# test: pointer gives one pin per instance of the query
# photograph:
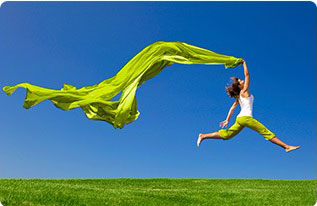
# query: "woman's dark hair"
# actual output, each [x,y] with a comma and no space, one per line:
[233,90]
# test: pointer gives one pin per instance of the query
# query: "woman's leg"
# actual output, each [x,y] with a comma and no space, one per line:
[268,135]
[224,134]
[214,135]
[287,148]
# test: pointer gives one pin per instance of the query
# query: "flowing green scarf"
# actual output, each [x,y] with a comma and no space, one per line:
[95,100]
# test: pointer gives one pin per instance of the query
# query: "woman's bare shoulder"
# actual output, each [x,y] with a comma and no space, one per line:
[245,94]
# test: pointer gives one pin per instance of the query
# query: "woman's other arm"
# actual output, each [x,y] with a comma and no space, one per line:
[233,107]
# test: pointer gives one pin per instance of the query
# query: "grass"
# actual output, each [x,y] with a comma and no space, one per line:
[132,192]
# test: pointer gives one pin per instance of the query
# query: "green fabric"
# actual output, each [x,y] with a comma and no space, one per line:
[95,100]
[246,121]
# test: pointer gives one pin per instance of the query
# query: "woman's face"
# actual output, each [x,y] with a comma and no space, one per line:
[241,83]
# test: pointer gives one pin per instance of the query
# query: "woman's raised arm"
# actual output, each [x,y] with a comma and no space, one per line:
[247,77]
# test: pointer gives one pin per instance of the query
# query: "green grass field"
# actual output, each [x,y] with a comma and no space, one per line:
[225,192]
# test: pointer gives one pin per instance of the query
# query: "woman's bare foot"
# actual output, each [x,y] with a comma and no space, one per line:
[291,148]
[199,140]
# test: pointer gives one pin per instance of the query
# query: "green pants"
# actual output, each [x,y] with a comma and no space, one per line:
[249,122]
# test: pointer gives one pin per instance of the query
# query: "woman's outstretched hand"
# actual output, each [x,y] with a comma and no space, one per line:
[224,124]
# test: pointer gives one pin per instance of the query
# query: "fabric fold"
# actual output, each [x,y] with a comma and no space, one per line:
[95,100]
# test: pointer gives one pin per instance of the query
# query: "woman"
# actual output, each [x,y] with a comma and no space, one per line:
[239,89]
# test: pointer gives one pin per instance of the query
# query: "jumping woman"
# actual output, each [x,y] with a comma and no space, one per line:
[239,89]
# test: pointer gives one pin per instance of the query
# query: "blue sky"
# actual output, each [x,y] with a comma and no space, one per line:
[51,43]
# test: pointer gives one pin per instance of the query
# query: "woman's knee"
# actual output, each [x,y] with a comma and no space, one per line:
[225,135]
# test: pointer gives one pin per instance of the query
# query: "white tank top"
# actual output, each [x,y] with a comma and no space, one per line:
[246,105]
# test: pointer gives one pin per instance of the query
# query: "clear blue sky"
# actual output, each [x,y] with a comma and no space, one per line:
[51,43]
